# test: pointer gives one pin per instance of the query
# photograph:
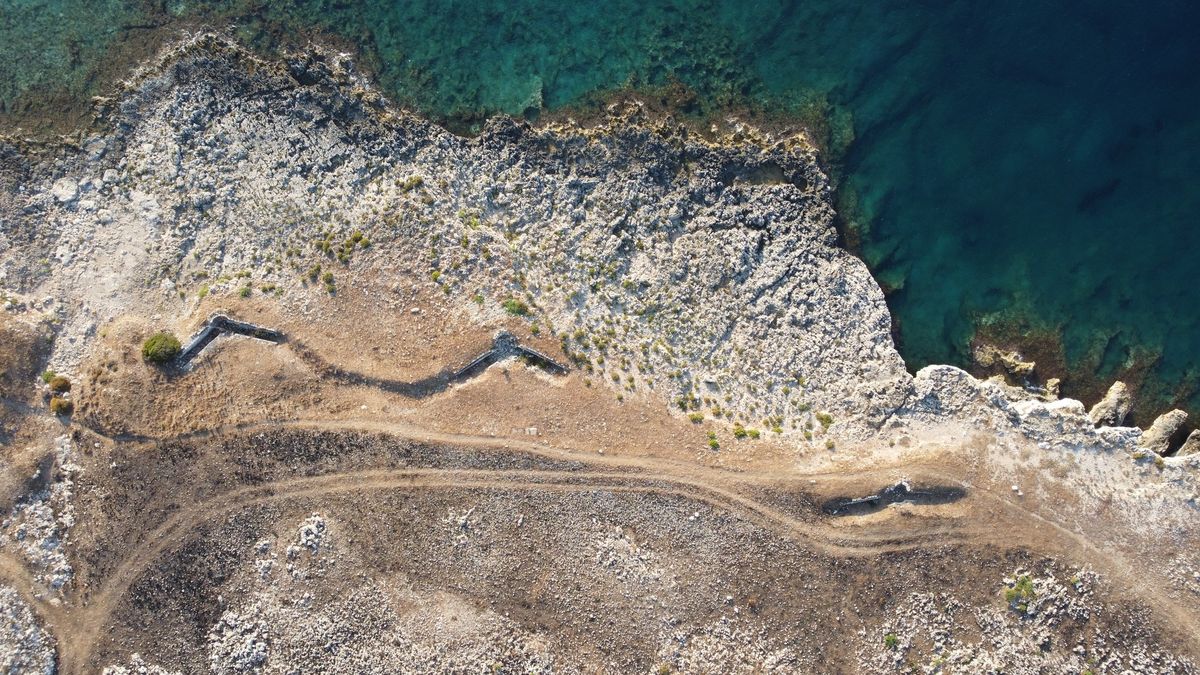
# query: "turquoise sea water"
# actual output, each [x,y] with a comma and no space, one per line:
[1028,166]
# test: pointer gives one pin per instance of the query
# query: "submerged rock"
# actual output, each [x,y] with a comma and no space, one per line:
[1112,410]
[1010,362]
[1158,436]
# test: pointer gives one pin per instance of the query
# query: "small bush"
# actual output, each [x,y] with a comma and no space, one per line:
[890,641]
[739,431]
[160,348]
[516,307]
[244,292]
[59,384]
[1021,593]
[696,417]
[753,434]
[61,406]
[48,375]
[825,419]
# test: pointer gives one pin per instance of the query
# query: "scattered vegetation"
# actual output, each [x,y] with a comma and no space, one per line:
[161,348]
[713,443]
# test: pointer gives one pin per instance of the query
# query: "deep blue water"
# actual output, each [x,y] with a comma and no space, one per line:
[1031,167]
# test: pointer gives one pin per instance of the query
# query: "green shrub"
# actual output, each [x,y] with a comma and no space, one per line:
[696,417]
[890,641]
[516,307]
[160,348]
[1021,593]
[825,419]
[753,434]
[244,292]
[412,183]
[59,384]
[61,406]
[739,431]
[48,375]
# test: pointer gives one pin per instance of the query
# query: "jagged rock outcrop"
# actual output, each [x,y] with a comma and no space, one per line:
[1191,446]
[1158,437]
[989,356]
[1112,410]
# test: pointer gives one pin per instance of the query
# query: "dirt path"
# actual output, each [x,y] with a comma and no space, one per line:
[1006,524]
[90,619]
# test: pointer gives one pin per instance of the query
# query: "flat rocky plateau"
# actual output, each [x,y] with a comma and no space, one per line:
[351,500]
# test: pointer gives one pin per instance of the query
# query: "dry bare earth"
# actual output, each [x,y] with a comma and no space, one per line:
[547,561]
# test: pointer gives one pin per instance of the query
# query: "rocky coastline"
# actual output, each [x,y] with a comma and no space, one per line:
[697,271]
[704,270]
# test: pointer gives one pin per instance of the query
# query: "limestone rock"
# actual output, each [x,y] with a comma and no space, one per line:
[1053,388]
[1010,362]
[1159,434]
[1191,446]
[1113,408]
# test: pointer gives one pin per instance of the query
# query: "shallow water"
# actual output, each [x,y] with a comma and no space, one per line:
[1028,164]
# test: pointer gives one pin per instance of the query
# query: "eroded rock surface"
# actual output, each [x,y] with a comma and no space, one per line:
[1158,437]
[1113,408]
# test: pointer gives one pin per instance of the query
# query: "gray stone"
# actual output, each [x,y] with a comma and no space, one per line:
[1159,434]
[1191,446]
[1112,410]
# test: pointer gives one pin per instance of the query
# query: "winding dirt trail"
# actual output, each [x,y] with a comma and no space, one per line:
[79,623]
[86,621]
